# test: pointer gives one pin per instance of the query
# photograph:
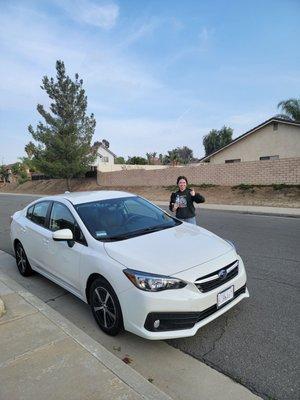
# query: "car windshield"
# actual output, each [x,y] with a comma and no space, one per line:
[123,218]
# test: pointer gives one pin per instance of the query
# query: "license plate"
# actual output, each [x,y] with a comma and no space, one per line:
[225,296]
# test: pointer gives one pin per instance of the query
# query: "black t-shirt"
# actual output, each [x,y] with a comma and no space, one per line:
[186,201]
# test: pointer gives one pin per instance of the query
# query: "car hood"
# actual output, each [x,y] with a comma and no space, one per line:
[169,251]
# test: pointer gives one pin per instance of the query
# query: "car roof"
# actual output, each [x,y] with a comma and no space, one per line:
[87,197]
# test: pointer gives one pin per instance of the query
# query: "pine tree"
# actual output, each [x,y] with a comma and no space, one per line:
[63,147]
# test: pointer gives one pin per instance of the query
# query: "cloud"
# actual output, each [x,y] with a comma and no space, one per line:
[200,45]
[205,38]
[140,30]
[88,12]
[32,48]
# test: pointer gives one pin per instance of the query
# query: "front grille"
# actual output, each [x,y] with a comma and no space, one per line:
[170,321]
[214,280]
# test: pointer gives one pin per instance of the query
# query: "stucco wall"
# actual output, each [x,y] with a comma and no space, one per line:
[284,142]
[254,172]
[121,167]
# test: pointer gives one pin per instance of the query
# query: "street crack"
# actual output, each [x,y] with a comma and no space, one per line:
[218,338]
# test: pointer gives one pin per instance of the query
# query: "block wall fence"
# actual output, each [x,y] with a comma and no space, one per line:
[266,172]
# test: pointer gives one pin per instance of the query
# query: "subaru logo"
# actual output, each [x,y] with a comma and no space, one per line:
[222,274]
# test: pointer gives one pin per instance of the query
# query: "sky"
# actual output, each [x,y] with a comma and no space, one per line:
[157,74]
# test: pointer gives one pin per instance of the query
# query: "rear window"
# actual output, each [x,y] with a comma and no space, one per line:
[40,212]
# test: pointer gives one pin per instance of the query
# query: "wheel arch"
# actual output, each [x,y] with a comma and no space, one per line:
[15,242]
[89,282]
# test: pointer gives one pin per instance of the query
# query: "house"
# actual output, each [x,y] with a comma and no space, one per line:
[104,158]
[273,139]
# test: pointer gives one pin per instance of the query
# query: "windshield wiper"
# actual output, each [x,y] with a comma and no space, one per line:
[139,232]
[115,238]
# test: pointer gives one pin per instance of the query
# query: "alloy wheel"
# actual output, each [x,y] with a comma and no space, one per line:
[104,307]
[22,262]
[21,259]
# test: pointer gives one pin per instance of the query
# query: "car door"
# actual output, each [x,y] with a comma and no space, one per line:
[35,235]
[63,260]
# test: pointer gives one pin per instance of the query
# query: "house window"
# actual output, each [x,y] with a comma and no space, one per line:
[104,159]
[275,126]
[269,158]
[234,160]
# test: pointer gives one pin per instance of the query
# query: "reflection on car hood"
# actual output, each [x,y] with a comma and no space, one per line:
[169,251]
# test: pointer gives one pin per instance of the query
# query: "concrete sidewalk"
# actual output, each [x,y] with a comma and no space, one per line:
[40,345]
[263,210]
[44,356]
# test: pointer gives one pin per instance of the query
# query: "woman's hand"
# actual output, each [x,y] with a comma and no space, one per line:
[175,206]
[192,191]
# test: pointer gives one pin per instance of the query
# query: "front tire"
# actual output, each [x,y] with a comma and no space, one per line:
[106,307]
[22,261]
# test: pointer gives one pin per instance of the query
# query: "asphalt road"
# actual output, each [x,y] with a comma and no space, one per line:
[256,343]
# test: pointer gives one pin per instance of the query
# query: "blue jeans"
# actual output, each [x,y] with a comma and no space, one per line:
[190,220]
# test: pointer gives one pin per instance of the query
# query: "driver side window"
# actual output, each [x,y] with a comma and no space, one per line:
[61,218]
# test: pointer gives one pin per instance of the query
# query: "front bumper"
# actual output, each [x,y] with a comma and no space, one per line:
[183,320]
[140,309]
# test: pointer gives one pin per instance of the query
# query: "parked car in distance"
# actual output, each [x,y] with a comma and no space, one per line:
[139,268]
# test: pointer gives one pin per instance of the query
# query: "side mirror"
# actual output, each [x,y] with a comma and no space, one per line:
[64,235]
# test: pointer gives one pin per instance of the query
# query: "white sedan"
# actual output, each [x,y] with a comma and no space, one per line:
[139,268]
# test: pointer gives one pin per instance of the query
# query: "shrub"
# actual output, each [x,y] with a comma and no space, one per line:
[243,186]
[22,178]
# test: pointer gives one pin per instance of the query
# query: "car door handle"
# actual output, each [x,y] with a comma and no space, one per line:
[23,229]
[46,241]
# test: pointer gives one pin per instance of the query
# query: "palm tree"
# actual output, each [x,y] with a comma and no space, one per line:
[291,108]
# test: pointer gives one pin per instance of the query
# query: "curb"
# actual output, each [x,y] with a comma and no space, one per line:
[2,308]
[124,372]
[252,210]
[26,194]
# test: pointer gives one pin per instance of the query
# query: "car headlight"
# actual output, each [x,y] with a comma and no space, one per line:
[152,282]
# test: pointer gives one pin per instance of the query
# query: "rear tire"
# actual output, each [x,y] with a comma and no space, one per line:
[106,307]
[22,261]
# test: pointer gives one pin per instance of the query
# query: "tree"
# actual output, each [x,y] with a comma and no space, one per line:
[137,160]
[291,109]
[3,173]
[174,157]
[119,160]
[17,168]
[29,149]
[64,141]
[151,157]
[185,154]
[105,143]
[217,139]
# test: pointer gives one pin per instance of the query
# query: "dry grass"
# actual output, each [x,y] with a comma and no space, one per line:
[275,196]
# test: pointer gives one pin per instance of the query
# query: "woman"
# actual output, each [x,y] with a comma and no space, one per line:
[182,201]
